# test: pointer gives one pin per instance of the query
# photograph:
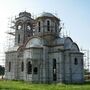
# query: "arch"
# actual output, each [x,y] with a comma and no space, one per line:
[67,43]
[68,38]
[27,43]
[34,42]
[19,24]
[28,25]
[74,47]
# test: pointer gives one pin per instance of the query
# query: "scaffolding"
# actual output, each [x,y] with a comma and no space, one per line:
[86,64]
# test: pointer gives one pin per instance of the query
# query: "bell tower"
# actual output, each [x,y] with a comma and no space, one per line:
[24,28]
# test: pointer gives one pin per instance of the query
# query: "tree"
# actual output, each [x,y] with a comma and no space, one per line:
[86,71]
[2,70]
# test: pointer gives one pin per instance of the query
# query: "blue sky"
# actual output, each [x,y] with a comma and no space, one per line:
[75,14]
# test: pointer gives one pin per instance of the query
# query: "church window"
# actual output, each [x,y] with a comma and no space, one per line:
[54,63]
[81,61]
[18,38]
[9,66]
[56,27]
[39,26]
[75,61]
[48,25]
[54,70]
[29,67]
[35,70]
[28,27]
[22,66]
[19,27]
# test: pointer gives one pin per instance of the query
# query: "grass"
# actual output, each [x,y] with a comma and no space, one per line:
[21,85]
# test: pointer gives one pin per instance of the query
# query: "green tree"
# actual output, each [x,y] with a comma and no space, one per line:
[2,70]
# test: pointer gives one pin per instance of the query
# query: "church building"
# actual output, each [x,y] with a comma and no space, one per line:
[40,54]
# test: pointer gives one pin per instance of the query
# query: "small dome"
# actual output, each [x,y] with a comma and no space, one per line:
[21,14]
[46,14]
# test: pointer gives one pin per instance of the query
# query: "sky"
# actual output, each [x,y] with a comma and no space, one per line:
[75,14]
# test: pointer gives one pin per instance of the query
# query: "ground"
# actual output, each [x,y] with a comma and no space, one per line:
[21,85]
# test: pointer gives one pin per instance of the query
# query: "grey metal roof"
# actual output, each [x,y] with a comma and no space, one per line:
[47,14]
[13,48]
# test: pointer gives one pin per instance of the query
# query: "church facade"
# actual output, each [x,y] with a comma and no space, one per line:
[40,54]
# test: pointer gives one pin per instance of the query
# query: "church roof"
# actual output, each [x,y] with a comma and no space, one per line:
[12,49]
[35,42]
[67,42]
[47,14]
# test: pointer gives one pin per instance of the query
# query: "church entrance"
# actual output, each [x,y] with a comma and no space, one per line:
[54,70]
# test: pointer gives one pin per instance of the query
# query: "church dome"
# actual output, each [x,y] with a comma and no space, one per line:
[21,14]
[46,14]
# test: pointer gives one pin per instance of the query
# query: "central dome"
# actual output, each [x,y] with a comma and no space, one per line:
[46,14]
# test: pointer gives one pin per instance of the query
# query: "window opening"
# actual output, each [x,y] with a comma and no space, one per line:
[75,61]
[22,66]
[48,25]
[39,26]
[29,67]
[18,38]
[54,70]
[35,70]
[9,66]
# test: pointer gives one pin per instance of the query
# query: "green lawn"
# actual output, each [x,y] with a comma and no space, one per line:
[21,85]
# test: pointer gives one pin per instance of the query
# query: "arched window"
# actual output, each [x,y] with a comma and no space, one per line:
[48,25]
[39,26]
[28,27]
[18,38]
[54,70]
[29,67]
[81,61]
[35,70]
[54,63]
[9,66]
[55,27]
[22,66]
[75,61]
[19,27]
